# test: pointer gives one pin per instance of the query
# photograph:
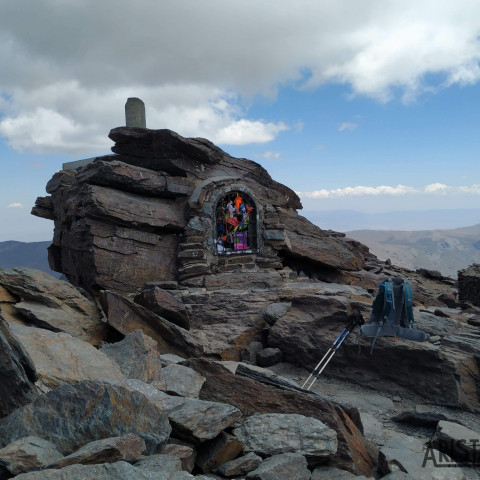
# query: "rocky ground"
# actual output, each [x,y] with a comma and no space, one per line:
[162,358]
[115,390]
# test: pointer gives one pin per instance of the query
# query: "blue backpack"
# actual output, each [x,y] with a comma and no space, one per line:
[392,313]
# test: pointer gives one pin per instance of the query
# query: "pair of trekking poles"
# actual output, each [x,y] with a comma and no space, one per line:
[356,319]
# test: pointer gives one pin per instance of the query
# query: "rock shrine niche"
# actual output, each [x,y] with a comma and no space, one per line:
[235,225]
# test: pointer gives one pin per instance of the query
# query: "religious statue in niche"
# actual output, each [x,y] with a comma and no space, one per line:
[234,224]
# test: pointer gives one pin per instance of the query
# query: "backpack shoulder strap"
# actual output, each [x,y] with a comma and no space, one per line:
[389,300]
[408,303]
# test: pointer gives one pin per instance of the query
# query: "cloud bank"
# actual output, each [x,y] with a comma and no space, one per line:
[399,190]
[73,64]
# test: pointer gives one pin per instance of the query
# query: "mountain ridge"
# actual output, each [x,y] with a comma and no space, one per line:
[14,253]
[445,250]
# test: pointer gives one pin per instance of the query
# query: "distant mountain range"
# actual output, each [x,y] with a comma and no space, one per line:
[348,220]
[25,254]
[444,250]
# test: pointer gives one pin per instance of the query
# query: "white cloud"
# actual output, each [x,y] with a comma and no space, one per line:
[247,131]
[72,65]
[15,205]
[271,155]
[347,126]
[360,191]
[88,115]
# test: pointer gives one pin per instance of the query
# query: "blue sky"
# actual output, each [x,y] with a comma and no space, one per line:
[357,105]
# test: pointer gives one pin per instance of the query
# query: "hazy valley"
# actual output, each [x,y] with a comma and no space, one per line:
[444,250]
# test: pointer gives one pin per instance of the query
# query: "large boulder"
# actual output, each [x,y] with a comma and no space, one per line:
[54,304]
[62,359]
[137,356]
[72,415]
[17,372]
[274,433]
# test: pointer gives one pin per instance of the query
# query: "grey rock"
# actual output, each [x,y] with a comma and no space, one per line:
[180,380]
[135,113]
[332,473]
[72,415]
[369,402]
[17,372]
[406,453]
[108,450]
[398,476]
[286,466]
[127,316]
[420,418]
[165,304]
[62,359]
[181,476]
[107,471]
[249,353]
[191,419]
[275,311]
[185,453]
[166,465]
[54,304]
[372,428]
[240,466]
[269,356]
[137,356]
[267,376]
[459,442]
[213,453]
[27,454]
[272,434]
[168,358]
[274,235]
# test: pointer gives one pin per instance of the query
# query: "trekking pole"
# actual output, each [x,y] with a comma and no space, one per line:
[355,319]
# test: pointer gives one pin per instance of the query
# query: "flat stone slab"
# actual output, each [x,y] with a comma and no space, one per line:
[62,359]
[459,442]
[161,464]
[240,466]
[271,434]
[191,419]
[406,453]
[108,450]
[281,466]
[27,454]
[180,380]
